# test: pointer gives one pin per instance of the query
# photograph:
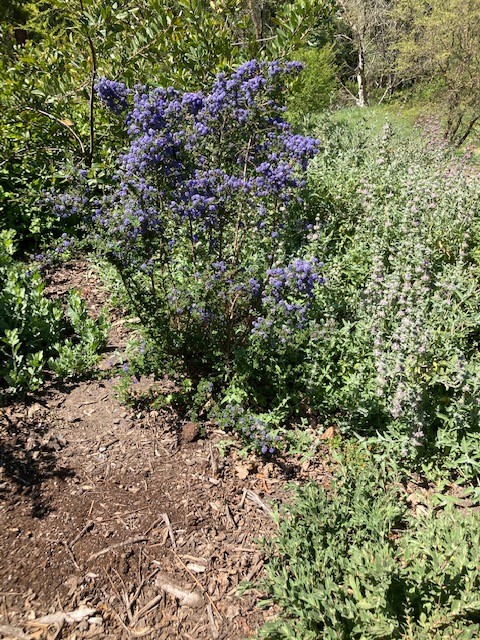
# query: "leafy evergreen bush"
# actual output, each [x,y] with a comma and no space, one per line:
[316,86]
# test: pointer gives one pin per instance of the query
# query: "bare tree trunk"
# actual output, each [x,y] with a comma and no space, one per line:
[467,131]
[453,128]
[362,88]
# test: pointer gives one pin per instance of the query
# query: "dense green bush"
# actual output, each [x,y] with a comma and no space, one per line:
[35,334]
[315,89]
[350,563]
[53,54]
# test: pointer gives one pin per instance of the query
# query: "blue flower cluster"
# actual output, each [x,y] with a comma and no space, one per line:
[73,201]
[299,276]
[113,94]
[252,428]
[288,294]
[194,158]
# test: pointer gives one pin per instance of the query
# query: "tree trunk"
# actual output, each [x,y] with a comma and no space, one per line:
[362,87]
[453,128]
[467,131]
[257,16]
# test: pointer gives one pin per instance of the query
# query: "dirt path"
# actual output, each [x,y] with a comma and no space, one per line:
[120,525]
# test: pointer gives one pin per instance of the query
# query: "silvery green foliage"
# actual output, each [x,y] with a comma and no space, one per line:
[348,563]
[398,229]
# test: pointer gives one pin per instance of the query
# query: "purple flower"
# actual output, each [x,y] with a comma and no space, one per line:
[113,94]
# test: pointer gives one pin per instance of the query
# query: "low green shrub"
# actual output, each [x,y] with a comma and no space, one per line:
[317,84]
[350,563]
[35,333]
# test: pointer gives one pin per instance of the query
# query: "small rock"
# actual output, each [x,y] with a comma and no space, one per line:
[190,432]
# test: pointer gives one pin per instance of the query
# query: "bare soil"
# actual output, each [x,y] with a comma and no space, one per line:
[124,524]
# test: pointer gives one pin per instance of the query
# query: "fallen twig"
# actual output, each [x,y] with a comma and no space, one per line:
[166,519]
[85,529]
[61,617]
[71,554]
[194,578]
[211,619]
[133,617]
[213,462]
[153,525]
[254,570]
[117,545]
[147,608]
[185,598]
[229,516]
[242,501]
[87,402]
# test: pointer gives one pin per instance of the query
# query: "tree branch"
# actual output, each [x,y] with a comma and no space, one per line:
[59,121]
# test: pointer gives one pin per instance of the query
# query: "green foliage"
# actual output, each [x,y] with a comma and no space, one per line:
[316,86]
[78,354]
[284,27]
[29,323]
[440,41]
[31,326]
[48,111]
[350,563]
[49,114]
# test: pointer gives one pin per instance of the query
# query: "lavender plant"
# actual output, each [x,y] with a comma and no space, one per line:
[399,234]
[205,225]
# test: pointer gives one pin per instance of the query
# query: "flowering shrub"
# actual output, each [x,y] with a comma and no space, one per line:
[201,218]
[256,430]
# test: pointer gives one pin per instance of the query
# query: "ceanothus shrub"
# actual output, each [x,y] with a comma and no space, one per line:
[200,219]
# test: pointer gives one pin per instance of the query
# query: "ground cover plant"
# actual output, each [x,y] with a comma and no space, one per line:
[37,336]
[353,562]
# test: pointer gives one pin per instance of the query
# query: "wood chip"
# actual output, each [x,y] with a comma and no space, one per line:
[184,597]
[7,631]
[61,617]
